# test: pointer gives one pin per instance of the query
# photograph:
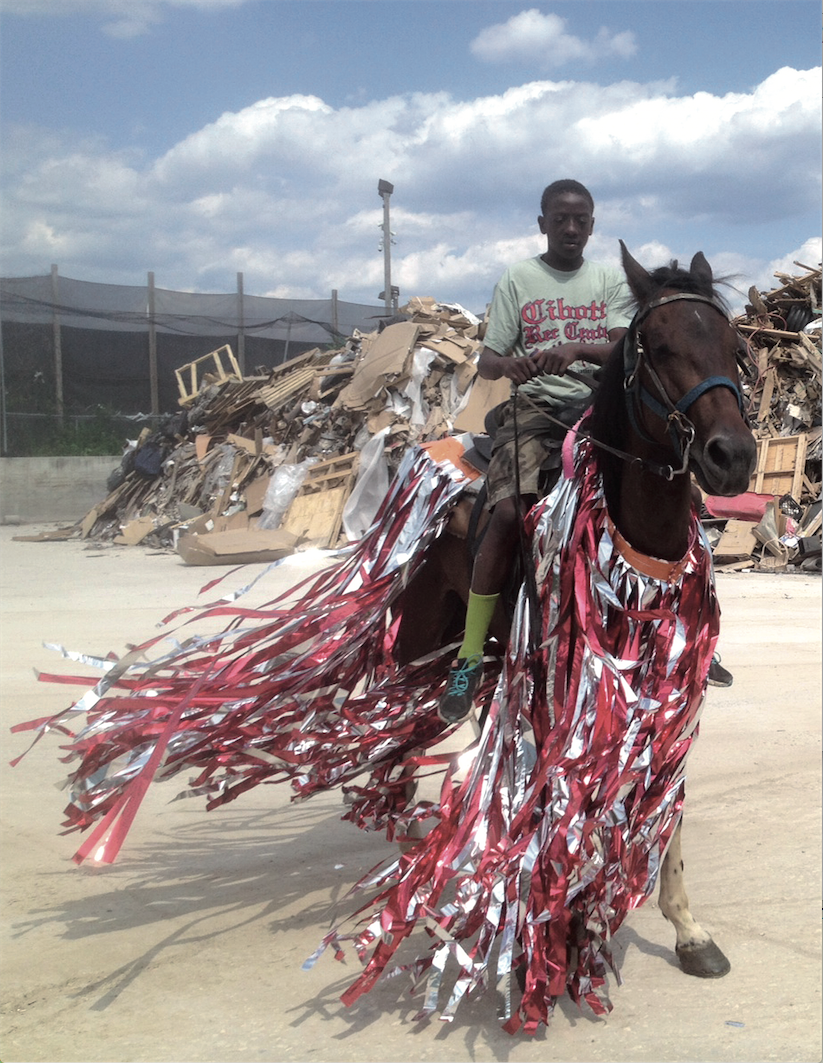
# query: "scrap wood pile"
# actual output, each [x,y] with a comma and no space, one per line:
[254,467]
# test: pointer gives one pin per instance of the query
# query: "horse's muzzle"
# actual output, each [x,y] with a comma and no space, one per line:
[724,463]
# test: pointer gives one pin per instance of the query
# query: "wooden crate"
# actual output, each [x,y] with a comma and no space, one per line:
[781,463]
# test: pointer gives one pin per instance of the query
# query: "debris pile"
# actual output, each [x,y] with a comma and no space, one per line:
[280,452]
[779,524]
[782,328]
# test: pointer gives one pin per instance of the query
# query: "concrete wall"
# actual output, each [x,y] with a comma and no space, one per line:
[52,489]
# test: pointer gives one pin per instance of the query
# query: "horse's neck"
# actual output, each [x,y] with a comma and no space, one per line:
[653,514]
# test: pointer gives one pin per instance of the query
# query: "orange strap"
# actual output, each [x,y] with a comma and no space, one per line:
[656,567]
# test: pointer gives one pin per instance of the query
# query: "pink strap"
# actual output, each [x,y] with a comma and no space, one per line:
[568,449]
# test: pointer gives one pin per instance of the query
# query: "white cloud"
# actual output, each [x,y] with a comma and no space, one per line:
[533,37]
[285,190]
[808,256]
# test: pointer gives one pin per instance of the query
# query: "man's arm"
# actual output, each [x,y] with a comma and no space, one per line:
[554,360]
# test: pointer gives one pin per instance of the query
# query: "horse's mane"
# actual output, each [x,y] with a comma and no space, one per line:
[608,419]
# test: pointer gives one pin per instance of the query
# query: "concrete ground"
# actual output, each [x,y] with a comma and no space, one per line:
[189,948]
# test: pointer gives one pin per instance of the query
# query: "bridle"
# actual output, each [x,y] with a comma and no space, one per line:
[636,357]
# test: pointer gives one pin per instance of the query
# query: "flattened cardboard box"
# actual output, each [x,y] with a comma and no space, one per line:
[385,361]
[485,395]
[237,547]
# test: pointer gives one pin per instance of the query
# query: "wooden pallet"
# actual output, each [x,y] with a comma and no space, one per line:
[280,390]
[316,514]
[781,462]
[206,370]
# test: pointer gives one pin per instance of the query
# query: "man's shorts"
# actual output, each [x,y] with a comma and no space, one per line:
[539,443]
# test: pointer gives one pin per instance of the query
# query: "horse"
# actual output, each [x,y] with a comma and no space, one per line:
[331,690]
[668,405]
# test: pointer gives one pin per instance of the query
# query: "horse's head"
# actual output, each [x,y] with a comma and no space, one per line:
[681,377]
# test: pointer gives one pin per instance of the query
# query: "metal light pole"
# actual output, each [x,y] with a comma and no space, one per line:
[384,190]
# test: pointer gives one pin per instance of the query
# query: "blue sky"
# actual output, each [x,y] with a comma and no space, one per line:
[198,138]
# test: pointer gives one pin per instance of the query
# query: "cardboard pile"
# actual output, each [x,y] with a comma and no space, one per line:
[252,468]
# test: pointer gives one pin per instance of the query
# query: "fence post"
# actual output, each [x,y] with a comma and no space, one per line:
[334,323]
[155,395]
[241,327]
[58,349]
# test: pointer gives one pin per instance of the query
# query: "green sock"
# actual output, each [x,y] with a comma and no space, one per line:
[479,614]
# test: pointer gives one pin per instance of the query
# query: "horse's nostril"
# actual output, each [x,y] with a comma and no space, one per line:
[718,451]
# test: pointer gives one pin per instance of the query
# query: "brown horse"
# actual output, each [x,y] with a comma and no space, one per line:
[668,405]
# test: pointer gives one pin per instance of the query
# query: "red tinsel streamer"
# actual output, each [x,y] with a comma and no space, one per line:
[306,691]
[559,828]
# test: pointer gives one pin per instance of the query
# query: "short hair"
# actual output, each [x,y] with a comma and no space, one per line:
[557,188]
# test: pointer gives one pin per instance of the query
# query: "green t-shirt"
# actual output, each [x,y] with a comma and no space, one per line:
[535,307]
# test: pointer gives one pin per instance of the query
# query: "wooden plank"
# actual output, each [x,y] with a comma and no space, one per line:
[335,370]
[776,332]
[735,566]
[769,382]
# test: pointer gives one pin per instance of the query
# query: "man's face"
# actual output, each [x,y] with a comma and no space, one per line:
[567,224]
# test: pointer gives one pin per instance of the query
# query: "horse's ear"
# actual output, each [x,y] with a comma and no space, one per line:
[701,270]
[639,279]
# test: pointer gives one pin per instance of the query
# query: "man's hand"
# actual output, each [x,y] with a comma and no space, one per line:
[554,360]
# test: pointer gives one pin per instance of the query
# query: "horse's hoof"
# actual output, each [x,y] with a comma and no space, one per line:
[703,961]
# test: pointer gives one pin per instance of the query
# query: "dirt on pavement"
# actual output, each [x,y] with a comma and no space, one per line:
[190,947]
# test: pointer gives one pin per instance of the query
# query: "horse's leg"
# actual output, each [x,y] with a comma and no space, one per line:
[432,613]
[429,787]
[697,952]
[431,607]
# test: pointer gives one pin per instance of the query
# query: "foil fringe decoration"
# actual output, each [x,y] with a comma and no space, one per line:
[577,786]
[558,828]
[306,691]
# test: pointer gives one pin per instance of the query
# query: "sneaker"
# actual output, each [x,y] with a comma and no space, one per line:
[718,675]
[464,677]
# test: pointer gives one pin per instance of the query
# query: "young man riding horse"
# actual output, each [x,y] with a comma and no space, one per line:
[547,313]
